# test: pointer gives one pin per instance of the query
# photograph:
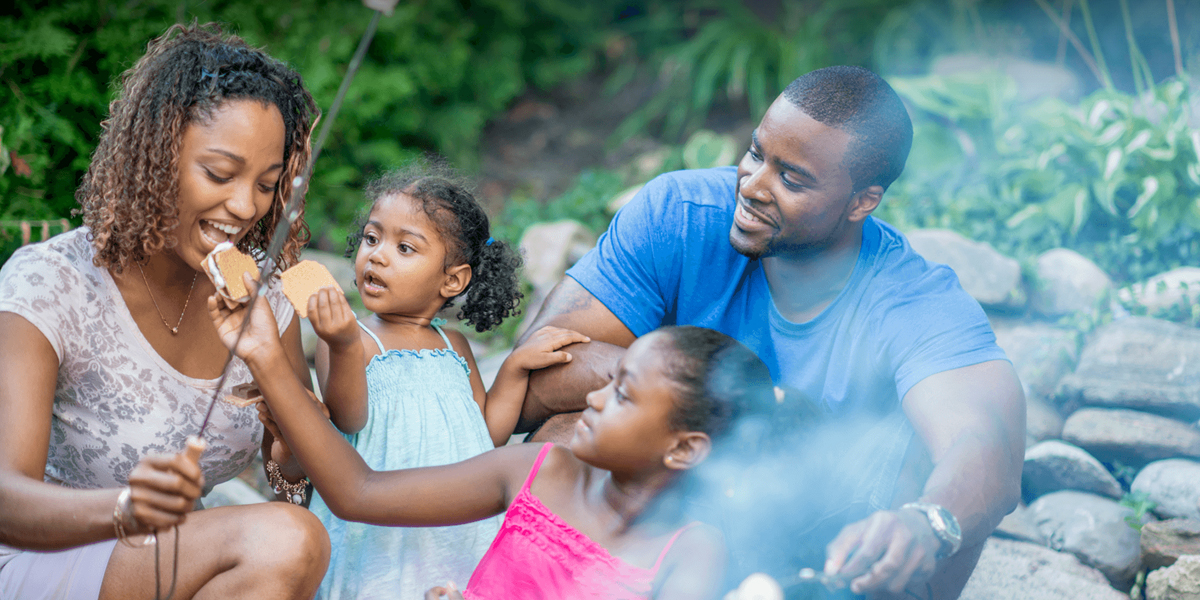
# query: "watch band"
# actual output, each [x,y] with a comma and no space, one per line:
[944,526]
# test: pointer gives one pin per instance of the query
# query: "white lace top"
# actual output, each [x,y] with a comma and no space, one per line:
[117,400]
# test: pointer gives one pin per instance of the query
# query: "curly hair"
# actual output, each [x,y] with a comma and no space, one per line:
[494,291]
[129,195]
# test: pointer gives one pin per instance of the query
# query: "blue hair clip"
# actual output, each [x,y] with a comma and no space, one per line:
[206,74]
[489,241]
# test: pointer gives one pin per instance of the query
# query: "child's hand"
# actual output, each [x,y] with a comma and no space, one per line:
[261,337]
[541,350]
[447,591]
[332,318]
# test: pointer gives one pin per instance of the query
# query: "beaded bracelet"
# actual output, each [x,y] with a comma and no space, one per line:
[294,492]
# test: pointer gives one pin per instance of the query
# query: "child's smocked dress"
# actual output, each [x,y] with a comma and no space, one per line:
[420,412]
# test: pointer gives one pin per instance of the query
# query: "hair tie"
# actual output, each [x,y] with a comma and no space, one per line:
[489,241]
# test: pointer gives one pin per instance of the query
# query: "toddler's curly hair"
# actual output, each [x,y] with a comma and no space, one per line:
[128,197]
[494,292]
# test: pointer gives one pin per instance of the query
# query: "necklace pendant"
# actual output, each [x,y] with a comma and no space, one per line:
[175,330]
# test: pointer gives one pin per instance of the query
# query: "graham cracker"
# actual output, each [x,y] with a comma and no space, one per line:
[303,280]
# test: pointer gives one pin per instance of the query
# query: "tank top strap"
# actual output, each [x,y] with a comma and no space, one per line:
[537,464]
[671,542]
[436,324]
[382,350]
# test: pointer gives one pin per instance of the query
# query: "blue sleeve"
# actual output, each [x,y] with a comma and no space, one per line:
[935,326]
[634,269]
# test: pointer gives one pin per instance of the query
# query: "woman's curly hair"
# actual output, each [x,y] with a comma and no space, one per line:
[494,291]
[129,195]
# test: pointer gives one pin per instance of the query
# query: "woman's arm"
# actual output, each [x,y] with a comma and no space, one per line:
[273,449]
[504,400]
[42,516]
[341,360]
[447,495]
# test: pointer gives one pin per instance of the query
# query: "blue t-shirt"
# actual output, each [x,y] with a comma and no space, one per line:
[666,260]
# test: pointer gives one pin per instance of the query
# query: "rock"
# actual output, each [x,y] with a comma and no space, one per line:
[551,248]
[1130,437]
[985,274]
[1163,542]
[1140,363]
[1180,581]
[1042,421]
[1165,290]
[1053,465]
[234,492]
[1173,485]
[1018,525]
[622,198]
[1092,528]
[1042,354]
[1067,282]
[1012,570]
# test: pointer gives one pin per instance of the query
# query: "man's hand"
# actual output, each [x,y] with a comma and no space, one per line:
[890,550]
[332,318]
[542,349]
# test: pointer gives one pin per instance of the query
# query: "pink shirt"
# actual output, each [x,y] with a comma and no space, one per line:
[537,555]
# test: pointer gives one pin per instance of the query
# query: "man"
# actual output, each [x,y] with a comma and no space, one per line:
[783,255]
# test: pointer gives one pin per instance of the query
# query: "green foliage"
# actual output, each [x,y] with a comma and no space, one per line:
[585,202]
[1140,504]
[1115,178]
[436,72]
[734,54]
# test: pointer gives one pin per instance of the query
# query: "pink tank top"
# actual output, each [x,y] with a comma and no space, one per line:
[538,556]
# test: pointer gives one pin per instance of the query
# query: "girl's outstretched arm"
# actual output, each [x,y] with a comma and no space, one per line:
[694,568]
[504,400]
[447,495]
[341,360]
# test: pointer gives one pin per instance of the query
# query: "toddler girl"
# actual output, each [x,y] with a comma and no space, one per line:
[600,519]
[407,392]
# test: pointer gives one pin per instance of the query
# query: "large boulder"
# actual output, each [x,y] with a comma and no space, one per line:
[1042,421]
[1173,486]
[1092,528]
[549,250]
[1165,291]
[1130,437]
[1140,363]
[985,274]
[1018,525]
[1180,581]
[1053,465]
[1042,354]
[1013,570]
[1163,542]
[1066,283]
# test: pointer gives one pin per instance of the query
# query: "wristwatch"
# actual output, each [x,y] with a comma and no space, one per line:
[944,526]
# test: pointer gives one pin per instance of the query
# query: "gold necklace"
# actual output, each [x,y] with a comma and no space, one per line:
[174,330]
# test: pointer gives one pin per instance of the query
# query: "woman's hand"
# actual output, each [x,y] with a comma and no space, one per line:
[541,350]
[164,488]
[261,337]
[332,318]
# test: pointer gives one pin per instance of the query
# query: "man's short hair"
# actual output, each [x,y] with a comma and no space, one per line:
[861,103]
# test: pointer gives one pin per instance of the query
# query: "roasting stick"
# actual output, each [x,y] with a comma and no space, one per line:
[291,212]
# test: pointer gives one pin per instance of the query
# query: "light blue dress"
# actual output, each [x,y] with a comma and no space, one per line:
[420,412]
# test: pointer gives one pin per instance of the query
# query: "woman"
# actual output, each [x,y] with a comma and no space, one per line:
[108,360]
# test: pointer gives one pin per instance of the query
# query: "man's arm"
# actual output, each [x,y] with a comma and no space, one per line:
[972,421]
[562,388]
